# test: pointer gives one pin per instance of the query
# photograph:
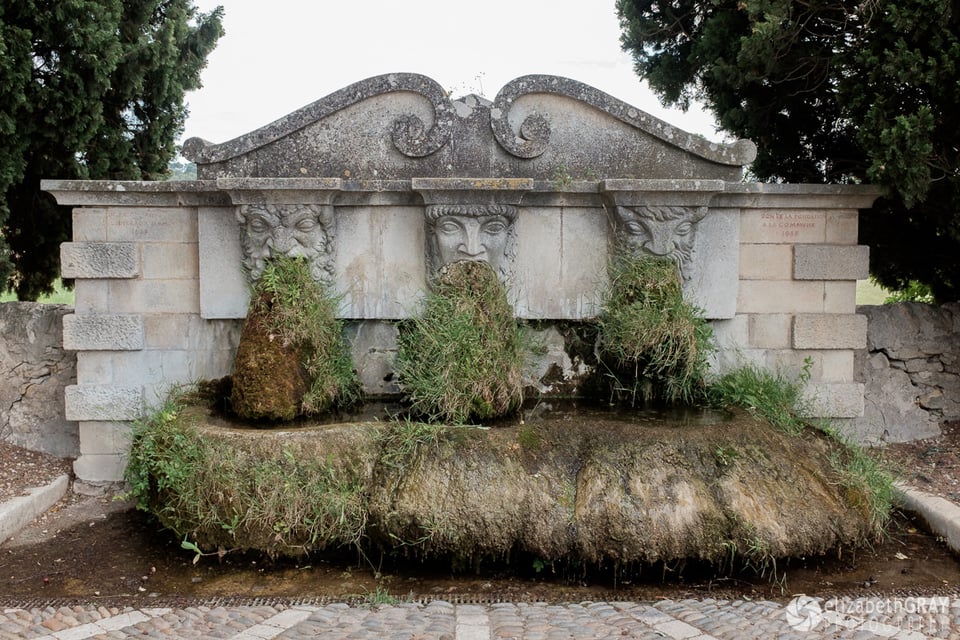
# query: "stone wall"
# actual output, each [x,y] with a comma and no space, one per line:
[911,369]
[34,370]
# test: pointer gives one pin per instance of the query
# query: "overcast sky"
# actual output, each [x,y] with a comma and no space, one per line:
[280,55]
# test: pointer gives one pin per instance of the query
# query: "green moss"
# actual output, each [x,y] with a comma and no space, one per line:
[461,359]
[292,358]
[654,345]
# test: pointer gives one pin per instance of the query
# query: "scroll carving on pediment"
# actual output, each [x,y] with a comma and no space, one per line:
[296,230]
[409,133]
[483,233]
[661,231]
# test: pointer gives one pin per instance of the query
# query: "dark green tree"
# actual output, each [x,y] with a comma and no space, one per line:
[833,92]
[88,89]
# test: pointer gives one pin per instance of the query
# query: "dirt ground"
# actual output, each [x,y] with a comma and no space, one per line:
[100,548]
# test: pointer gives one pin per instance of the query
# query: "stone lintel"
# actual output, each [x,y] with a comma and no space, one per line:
[281,190]
[472,191]
[103,332]
[680,192]
[171,193]
[94,402]
[99,260]
[762,195]
[829,331]
[831,262]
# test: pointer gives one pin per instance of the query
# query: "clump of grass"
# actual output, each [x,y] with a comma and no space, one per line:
[771,395]
[284,501]
[654,344]
[461,359]
[301,313]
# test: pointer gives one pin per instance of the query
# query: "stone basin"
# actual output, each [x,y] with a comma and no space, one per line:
[576,485]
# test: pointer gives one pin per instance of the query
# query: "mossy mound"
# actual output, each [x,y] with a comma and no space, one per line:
[461,359]
[589,491]
[292,359]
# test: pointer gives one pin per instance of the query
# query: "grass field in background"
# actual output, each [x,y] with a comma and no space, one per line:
[60,296]
[868,292]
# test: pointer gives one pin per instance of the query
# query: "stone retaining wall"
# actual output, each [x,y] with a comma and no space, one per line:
[34,370]
[911,372]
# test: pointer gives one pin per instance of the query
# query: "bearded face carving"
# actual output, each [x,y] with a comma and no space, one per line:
[659,231]
[296,230]
[478,233]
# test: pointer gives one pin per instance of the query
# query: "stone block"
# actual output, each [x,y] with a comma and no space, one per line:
[99,260]
[842,227]
[840,297]
[91,296]
[169,260]
[770,330]
[152,224]
[834,400]
[713,276]
[561,262]
[831,262]
[95,367]
[783,226]
[103,332]
[764,296]
[104,437]
[766,261]
[829,331]
[154,296]
[224,289]
[98,468]
[103,402]
[380,263]
[838,366]
[89,224]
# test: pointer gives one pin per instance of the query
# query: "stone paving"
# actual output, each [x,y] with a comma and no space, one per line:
[899,618]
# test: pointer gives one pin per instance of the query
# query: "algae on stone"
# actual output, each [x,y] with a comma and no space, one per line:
[292,358]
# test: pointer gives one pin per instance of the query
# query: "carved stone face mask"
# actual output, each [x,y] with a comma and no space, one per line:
[475,233]
[659,231]
[299,230]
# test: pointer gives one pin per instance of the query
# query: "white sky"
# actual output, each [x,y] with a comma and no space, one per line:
[280,55]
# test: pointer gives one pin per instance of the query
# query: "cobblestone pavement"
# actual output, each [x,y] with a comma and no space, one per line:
[900,618]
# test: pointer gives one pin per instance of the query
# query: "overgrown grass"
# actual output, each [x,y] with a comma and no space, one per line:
[285,501]
[303,312]
[654,343]
[461,359]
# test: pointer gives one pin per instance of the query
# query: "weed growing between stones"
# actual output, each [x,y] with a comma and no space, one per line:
[461,359]
[654,344]
[292,358]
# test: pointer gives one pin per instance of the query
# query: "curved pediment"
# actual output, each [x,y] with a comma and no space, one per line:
[404,125]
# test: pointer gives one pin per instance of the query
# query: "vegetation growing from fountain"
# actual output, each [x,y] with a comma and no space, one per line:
[653,343]
[461,358]
[292,359]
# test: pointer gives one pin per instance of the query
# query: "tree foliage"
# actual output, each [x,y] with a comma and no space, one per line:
[834,92]
[88,89]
